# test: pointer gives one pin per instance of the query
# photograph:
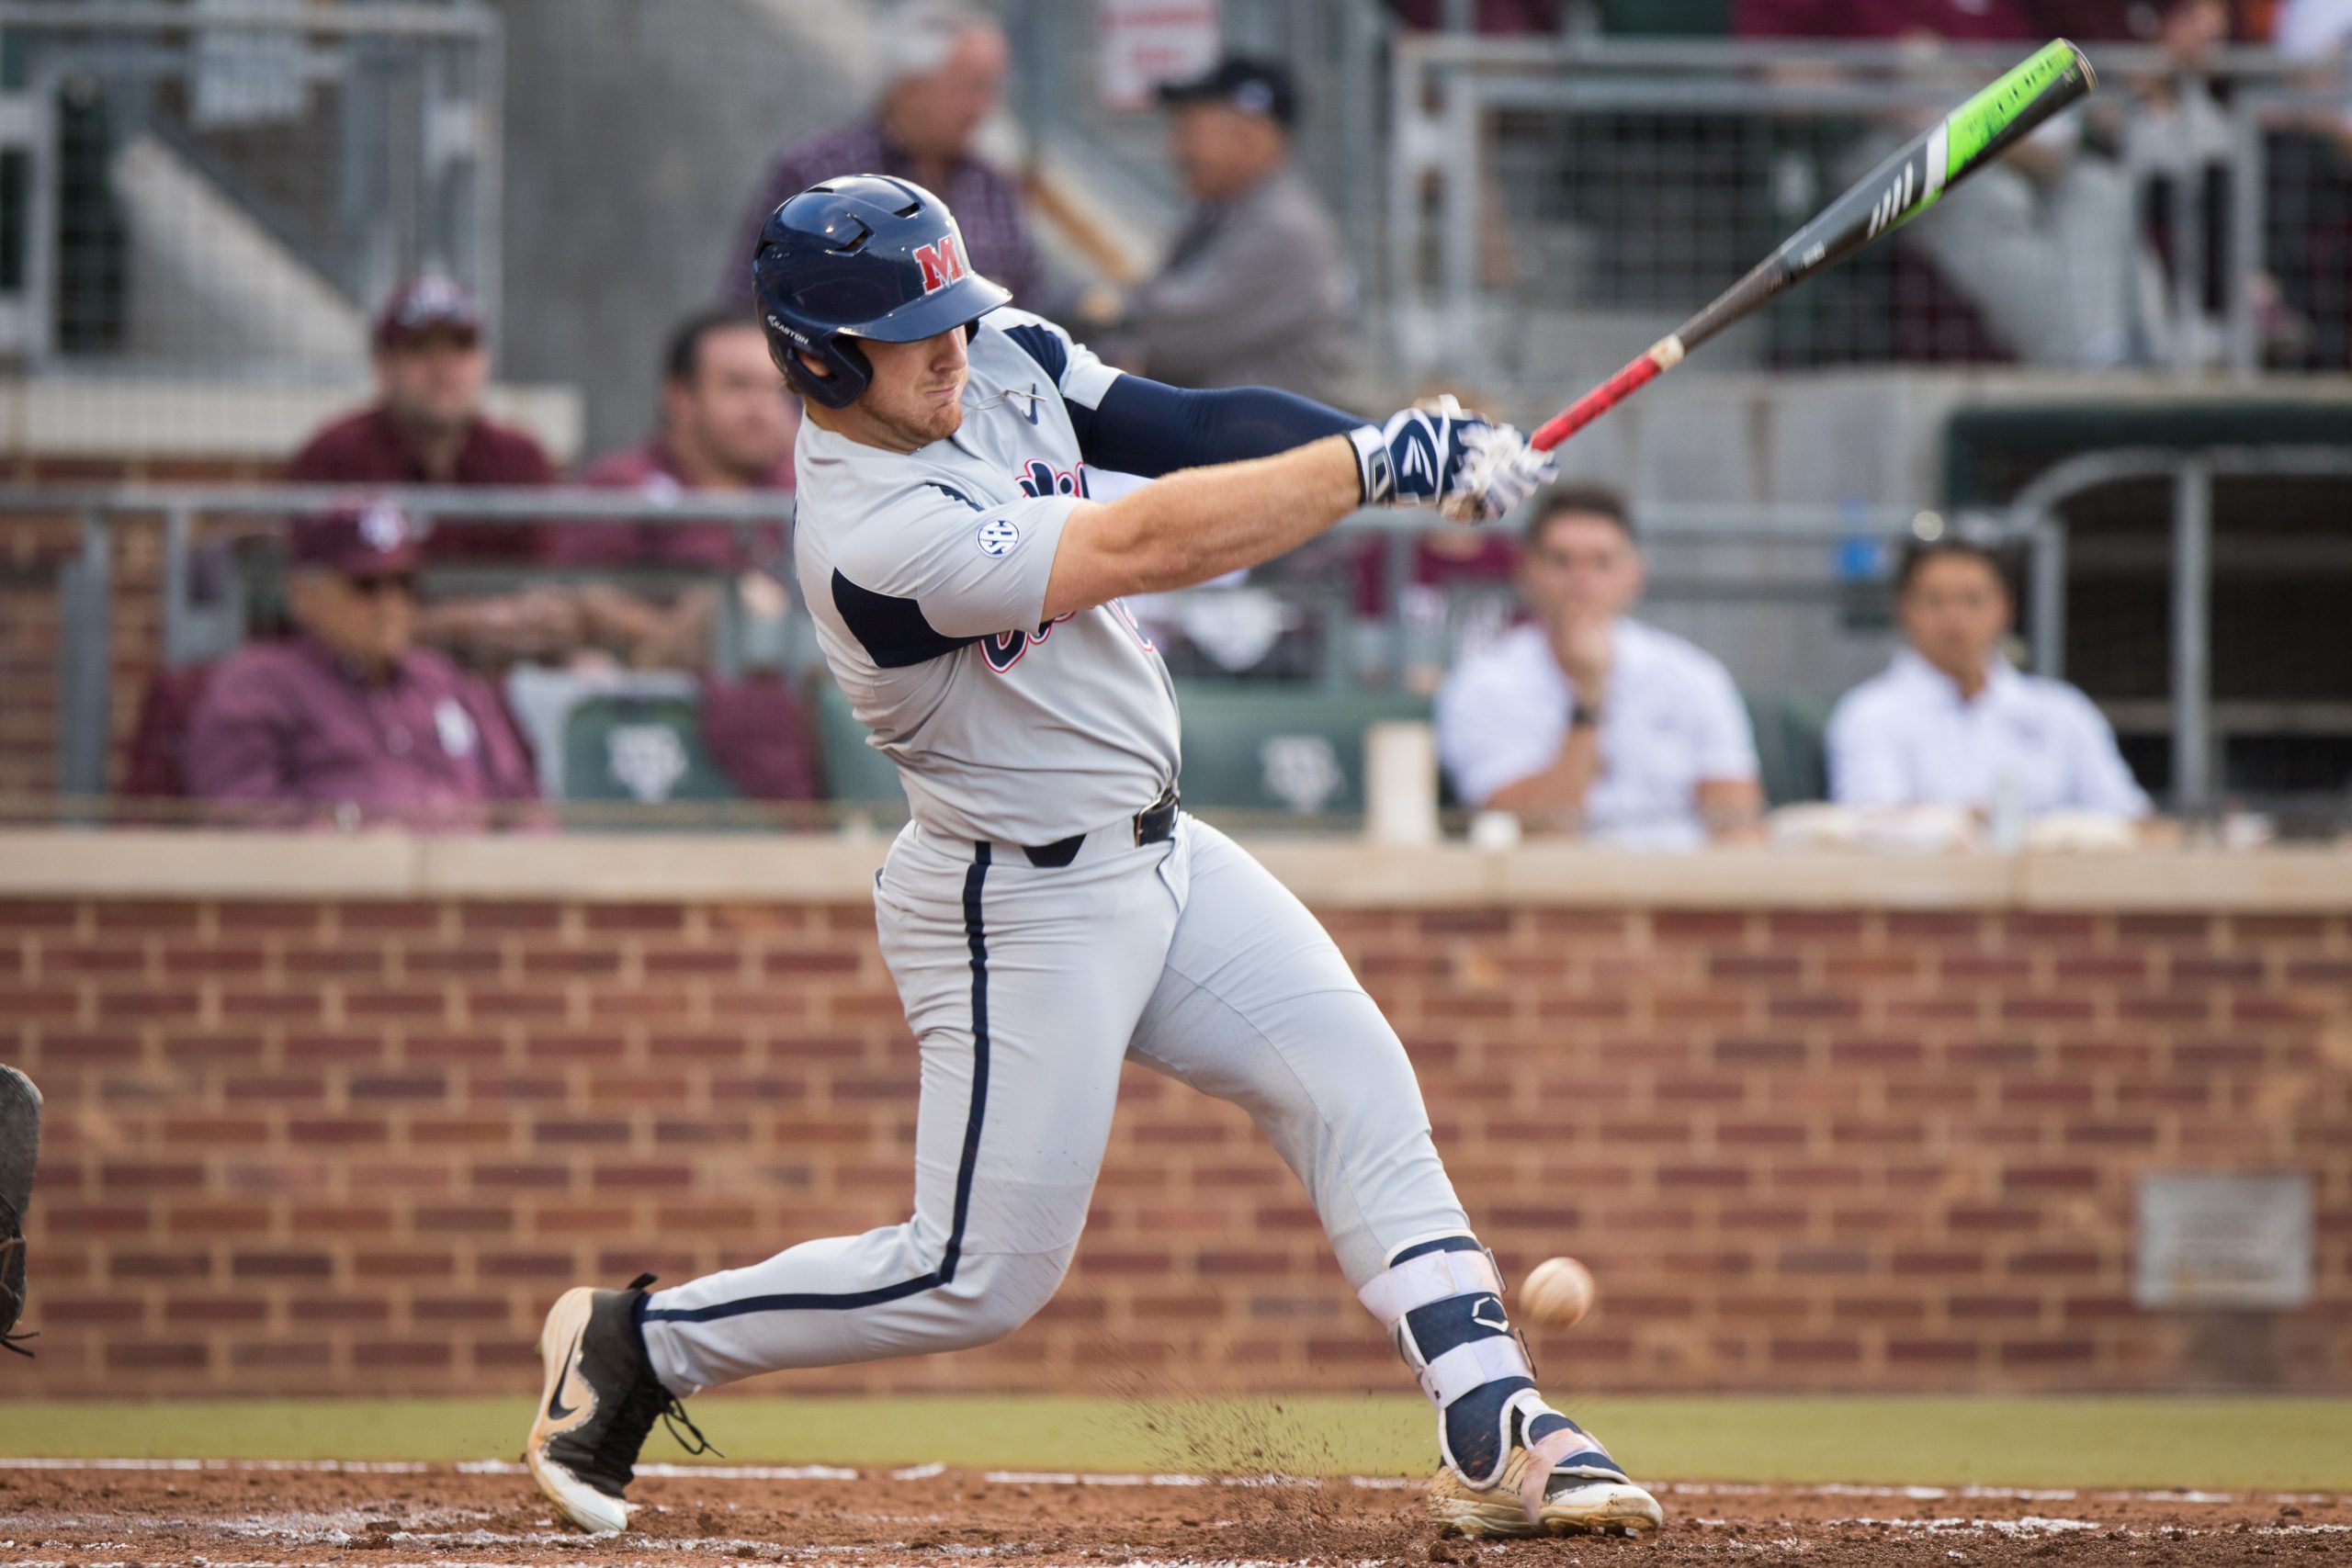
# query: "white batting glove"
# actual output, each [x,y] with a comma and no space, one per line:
[1498,470]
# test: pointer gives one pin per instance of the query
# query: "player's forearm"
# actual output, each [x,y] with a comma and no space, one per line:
[1555,796]
[1202,522]
[1730,809]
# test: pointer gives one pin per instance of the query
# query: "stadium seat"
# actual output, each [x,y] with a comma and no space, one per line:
[619,746]
[1293,751]
[1792,760]
[1667,19]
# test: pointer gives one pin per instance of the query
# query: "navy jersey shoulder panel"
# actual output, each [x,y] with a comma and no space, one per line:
[1045,346]
[893,630]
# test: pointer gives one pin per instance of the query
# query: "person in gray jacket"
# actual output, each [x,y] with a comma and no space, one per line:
[1255,290]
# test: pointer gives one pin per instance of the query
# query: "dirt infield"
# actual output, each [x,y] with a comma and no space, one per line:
[135,1513]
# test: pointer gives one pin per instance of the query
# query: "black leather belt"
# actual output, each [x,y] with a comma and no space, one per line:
[1155,823]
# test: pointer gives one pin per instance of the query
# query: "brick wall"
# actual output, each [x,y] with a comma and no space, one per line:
[301,1148]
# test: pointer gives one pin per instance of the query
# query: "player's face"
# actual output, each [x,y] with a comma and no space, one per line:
[1582,567]
[1955,612]
[434,382]
[733,411]
[916,396]
[370,619]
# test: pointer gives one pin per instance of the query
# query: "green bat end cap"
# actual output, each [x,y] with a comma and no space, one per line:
[2055,77]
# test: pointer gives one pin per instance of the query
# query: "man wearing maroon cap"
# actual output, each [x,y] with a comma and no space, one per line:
[349,721]
[427,427]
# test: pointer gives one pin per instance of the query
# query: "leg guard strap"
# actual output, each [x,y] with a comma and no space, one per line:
[1444,1306]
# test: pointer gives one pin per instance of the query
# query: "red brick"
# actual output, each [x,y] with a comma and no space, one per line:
[372,918]
[159,915]
[578,1131]
[1841,1352]
[1686,925]
[156,1355]
[497,917]
[2070,1351]
[281,1355]
[1738,1052]
[337,1132]
[291,1263]
[111,960]
[237,916]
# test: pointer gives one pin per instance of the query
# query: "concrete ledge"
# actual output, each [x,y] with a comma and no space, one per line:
[1329,873]
[137,417]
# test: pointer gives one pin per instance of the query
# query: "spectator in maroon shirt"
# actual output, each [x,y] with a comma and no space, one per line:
[946,63]
[727,424]
[350,722]
[426,425]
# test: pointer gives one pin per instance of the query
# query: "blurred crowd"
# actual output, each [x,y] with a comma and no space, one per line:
[385,700]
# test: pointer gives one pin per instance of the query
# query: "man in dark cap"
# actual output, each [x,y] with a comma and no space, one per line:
[427,426]
[350,721]
[1255,291]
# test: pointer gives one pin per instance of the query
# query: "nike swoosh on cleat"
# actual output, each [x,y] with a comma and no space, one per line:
[557,1409]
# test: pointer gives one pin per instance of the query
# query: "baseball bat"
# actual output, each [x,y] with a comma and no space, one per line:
[1898,190]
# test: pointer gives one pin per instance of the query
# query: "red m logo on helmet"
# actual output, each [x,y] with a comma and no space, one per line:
[942,263]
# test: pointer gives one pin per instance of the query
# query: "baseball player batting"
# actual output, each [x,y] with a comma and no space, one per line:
[971,511]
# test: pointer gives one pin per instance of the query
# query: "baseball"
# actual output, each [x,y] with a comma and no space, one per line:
[1556,1292]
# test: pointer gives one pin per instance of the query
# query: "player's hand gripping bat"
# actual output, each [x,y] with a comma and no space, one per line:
[1898,190]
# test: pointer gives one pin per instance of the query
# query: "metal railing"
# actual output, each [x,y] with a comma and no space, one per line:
[1544,193]
[237,183]
[2037,512]
[85,651]
[1722,570]
[1792,597]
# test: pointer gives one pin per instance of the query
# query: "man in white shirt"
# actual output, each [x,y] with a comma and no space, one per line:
[1952,723]
[1584,719]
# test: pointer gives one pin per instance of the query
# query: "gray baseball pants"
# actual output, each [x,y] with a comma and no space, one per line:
[1027,988]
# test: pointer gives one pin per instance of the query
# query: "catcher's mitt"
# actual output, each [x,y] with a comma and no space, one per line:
[20,1148]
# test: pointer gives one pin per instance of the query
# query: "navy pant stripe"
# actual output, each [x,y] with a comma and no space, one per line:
[976,935]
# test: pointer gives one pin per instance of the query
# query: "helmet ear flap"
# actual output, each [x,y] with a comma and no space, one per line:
[847,371]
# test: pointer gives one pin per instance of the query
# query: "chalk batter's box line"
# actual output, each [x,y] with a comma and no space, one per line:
[1078,1478]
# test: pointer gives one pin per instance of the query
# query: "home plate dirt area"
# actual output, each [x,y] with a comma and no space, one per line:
[136,1514]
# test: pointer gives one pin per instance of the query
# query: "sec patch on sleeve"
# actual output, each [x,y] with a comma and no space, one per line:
[998,536]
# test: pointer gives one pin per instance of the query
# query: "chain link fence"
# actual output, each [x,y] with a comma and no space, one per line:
[1563,201]
[230,186]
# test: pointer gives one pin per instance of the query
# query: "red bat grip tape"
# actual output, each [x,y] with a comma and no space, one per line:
[1593,404]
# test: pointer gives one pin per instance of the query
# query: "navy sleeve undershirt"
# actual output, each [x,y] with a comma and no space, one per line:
[1148,428]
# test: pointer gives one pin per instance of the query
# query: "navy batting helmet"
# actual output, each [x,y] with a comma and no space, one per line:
[862,257]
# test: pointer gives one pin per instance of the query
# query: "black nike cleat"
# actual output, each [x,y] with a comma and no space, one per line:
[19,1150]
[599,1402]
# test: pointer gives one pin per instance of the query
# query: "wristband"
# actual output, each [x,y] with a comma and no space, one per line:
[1375,469]
[1584,715]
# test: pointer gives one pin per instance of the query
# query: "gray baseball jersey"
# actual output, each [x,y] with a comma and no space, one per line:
[926,572]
